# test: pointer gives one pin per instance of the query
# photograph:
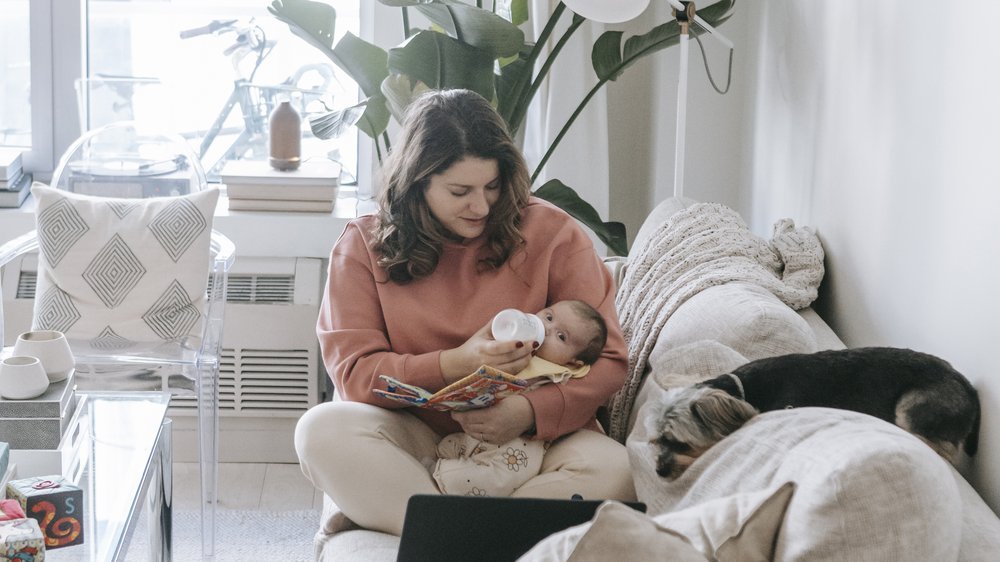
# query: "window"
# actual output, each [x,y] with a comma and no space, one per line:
[15,67]
[210,70]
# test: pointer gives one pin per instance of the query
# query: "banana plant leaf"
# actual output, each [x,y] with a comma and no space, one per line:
[474,26]
[322,19]
[563,196]
[335,123]
[610,60]
[441,62]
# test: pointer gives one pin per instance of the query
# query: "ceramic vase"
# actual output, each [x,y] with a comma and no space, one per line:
[22,378]
[286,137]
[51,348]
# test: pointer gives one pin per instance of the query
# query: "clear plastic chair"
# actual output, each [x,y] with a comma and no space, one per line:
[185,366]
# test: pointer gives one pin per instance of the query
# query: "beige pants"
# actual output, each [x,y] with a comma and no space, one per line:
[467,466]
[370,460]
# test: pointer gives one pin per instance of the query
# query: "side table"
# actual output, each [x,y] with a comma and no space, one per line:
[128,459]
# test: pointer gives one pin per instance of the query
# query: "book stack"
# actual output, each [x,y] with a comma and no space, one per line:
[255,186]
[15,184]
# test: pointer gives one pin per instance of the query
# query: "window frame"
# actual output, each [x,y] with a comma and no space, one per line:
[58,58]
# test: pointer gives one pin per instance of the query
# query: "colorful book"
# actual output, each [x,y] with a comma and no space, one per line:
[279,205]
[14,195]
[481,389]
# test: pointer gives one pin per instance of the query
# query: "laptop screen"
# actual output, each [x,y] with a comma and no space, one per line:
[444,528]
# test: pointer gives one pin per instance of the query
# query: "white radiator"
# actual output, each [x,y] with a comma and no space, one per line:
[270,372]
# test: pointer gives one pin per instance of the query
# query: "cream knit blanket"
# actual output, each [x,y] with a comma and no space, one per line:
[701,246]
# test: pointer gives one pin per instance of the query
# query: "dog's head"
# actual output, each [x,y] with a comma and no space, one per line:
[694,419]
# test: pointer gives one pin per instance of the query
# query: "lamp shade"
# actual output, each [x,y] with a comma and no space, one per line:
[607,11]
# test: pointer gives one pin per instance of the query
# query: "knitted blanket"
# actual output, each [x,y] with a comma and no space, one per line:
[701,246]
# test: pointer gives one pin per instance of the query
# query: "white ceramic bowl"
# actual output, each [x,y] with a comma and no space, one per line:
[22,378]
[51,348]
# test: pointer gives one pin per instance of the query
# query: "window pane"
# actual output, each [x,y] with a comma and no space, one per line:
[15,67]
[212,70]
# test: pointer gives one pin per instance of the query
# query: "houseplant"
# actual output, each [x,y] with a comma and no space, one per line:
[480,49]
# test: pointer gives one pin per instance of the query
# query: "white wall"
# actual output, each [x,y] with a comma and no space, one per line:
[879,124]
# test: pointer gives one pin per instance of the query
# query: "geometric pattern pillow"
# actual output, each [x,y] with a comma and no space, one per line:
[119,271]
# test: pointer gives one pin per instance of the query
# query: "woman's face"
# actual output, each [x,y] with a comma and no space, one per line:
[461,196]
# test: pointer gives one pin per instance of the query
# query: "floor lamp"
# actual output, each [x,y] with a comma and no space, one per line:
[623,10]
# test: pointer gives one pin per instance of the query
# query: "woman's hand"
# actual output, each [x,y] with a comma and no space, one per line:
[503,421]
[482,349]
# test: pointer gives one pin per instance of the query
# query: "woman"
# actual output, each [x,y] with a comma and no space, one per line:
[456,239]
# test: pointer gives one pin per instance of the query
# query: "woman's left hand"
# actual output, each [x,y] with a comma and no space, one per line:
[505,420]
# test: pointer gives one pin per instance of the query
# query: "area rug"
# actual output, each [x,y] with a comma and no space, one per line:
[241,535]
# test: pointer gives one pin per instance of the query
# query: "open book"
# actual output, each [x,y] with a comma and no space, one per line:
[480,389]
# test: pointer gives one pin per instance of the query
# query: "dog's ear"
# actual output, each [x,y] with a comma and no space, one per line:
[720,413]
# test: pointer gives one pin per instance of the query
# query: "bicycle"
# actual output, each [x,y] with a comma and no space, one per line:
[255,101]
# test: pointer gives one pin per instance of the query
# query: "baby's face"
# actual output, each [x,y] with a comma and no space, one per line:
[566,333]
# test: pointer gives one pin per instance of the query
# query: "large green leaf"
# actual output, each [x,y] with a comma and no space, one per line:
[564,197]
[313,21]
[442,63]
[511,85]
[367,64]
[474,26]
[399,91]
[610,59]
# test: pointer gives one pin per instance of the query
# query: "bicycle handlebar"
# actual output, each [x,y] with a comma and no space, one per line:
[212,27]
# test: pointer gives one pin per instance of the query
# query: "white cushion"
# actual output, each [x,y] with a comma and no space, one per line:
[617,532]
[738,527]
[116,271]
[866,489]
[744,317]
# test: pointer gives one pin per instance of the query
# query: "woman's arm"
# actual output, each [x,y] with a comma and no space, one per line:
[576,272]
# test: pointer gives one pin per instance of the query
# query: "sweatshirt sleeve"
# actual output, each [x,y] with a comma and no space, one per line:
[577,272]
[352,331]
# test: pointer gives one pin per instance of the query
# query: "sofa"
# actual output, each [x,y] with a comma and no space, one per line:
[803,484]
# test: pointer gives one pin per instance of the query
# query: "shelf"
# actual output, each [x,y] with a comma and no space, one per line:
[255,233]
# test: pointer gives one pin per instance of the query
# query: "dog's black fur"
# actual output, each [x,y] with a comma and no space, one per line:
[916,391]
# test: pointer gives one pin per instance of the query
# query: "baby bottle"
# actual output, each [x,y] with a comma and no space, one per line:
[513,325]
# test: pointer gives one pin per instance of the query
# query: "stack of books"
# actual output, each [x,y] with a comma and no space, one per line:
[255,186]
[15,184]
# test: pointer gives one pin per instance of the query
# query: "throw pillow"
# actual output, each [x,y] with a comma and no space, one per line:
[120,271]
[738,527]
[617,532]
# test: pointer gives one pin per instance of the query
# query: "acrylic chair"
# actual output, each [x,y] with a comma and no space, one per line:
[186,365]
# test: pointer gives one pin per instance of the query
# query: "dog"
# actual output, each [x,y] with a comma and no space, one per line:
[916,391]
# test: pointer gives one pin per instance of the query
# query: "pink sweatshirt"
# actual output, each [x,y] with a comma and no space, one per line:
[369,326]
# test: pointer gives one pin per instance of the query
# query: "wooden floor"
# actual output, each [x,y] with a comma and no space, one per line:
[266,487]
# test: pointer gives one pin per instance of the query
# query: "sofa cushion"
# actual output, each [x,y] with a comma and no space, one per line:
[866,489]
[744,317]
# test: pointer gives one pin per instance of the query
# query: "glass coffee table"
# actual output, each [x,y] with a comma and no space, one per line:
[125,458]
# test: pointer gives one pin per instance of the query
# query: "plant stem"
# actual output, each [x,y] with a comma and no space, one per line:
[406,23]
[543,72]
[520,108]
[565,129]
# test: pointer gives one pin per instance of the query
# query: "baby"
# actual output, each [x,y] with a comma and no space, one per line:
[575,334]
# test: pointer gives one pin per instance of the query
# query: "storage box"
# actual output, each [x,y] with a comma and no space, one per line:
[21,539]
[55,503]
[69,459]
[39,423]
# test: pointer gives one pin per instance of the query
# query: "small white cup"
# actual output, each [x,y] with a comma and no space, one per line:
[22,378]
[51,348]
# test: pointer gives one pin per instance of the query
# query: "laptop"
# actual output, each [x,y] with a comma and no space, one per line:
[442,528]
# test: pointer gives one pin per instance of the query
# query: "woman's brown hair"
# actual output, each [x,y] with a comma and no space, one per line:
[441,128]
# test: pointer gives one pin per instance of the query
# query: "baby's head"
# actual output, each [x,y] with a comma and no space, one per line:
[575,333]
